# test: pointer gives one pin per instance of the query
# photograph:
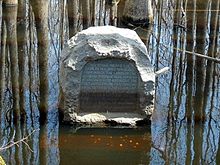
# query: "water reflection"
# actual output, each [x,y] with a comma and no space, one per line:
[22,51]
[10,18]
[185,125]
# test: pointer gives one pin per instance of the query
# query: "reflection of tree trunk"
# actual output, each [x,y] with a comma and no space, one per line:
[21,52]
[199,114]
[200,62]
[26,154]
[43,142]
[0,19]
[40,8]
[191,17]
[198,141]
[18,148]
[72,16]
[86,13]
[30,67]
[218,152]
[2,64]
[212,50]
[11,24]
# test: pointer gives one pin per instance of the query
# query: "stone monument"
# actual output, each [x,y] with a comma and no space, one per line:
[106,76]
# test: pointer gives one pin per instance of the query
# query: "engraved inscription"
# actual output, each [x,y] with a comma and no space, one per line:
[109,85]
[109,76]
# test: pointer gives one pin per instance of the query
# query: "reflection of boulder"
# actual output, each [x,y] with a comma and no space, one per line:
[106,75]
[138,12]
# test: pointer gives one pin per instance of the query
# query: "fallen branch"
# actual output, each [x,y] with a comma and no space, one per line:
[217,60]
[12,142]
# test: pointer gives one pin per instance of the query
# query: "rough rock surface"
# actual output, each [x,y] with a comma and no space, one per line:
[138,12]
[102,43]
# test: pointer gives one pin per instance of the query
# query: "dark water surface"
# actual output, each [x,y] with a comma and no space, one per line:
[185,126]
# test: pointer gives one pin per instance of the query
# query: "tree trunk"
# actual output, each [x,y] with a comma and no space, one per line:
[22,40]
[40,8]
[93,10]
[72,16]
[113,12]
[10,15]
[86,13]
[121,5]
[101,9]
[62,22]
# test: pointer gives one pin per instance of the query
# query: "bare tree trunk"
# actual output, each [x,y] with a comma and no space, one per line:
[11,25]
[121,5]
[72,16]
[93,4]
[86,13]
[22,40]
[40,8]
[101,9]
[2,64]
[113,12]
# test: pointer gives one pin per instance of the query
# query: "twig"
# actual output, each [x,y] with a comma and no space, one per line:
[217,60]
[12,143]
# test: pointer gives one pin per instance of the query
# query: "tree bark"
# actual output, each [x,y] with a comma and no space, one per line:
[93,4]
[114,12]
[86,13]
[72,16]
[40,8]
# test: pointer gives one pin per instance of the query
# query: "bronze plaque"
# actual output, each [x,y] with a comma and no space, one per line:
[109,85]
